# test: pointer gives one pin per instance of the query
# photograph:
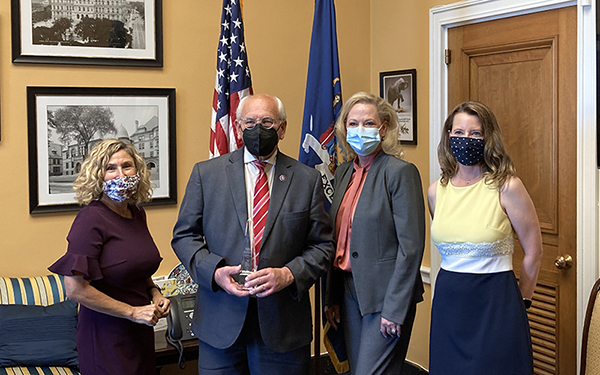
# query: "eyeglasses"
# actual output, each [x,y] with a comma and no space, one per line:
[366,124]
[267,122]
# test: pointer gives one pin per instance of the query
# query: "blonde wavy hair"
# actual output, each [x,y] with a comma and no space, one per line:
[498,166]
[88,185]
[389,142]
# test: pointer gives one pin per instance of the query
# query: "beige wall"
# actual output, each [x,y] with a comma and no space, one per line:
[278,59]
[374,36]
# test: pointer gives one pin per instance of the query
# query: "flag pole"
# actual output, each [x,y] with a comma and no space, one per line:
[317,340]
[322,104]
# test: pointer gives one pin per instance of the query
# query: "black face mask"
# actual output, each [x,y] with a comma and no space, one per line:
[260,141]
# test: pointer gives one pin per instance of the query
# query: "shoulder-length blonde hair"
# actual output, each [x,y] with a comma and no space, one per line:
[389,142]
[498,165]
[88,185]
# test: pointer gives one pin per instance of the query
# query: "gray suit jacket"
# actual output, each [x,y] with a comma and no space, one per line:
[387,240]
[209,233]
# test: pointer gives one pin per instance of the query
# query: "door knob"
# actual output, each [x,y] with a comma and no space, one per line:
[563,262]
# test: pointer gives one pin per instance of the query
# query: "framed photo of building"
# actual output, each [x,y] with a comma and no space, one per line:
[98,32]
[65,123]
[399,88]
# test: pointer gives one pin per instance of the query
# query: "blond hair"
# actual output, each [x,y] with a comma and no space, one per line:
[389,142]
[498,166]
[88,185]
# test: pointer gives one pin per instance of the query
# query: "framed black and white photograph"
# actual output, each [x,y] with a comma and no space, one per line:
[98,32]
[399,88]
[65,123]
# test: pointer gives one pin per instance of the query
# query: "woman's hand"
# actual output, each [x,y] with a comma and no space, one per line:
[332,313]
[163,304]
[80,290]
[148,314]
[390,329]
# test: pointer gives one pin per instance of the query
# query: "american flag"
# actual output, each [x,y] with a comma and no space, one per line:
[232,81]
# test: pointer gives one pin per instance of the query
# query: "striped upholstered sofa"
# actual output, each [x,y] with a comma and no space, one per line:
[36,333]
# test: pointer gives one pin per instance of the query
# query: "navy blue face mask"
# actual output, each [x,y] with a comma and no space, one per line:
[467,151]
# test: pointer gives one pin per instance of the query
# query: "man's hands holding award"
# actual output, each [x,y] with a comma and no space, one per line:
[253,282]
[261,283]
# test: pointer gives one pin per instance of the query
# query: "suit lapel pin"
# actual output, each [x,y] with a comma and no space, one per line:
[282,178]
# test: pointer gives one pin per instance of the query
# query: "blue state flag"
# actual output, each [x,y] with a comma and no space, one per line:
[322,106]
[322,103]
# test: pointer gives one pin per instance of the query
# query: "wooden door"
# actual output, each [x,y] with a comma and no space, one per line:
[524,68]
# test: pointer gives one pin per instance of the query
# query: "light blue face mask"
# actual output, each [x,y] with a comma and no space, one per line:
[363,140]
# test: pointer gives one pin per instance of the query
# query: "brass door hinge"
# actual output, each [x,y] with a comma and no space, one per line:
[447,56]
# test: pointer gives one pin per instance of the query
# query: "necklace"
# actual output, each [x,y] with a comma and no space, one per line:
[468,181]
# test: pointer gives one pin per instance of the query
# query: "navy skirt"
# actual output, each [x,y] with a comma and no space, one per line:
[479,326]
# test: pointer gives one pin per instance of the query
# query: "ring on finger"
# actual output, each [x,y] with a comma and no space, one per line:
[393,331]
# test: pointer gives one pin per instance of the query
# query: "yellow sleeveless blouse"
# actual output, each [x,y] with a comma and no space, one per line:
[469,225]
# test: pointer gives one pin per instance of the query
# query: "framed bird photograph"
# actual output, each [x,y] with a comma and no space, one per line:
[399,88]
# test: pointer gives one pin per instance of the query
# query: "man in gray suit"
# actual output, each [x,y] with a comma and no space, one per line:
[263,326]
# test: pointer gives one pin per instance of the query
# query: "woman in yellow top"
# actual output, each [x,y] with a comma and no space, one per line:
[478,320]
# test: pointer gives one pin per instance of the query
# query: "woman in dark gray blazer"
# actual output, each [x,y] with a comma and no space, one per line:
[378,211]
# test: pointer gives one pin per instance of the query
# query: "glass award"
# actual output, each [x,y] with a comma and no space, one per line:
[248,255]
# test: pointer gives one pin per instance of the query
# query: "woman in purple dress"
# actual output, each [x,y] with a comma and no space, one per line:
[109,262]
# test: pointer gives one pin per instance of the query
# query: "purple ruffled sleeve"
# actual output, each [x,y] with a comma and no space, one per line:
[89,267]
[85,238]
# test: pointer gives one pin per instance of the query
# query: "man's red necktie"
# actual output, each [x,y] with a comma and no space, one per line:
[260,208]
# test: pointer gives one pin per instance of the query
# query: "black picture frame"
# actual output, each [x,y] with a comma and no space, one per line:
[393,86]
[130,34]
[145,116]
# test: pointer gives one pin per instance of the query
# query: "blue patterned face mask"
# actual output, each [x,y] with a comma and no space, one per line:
[467,151]
[363,140]
[121,188]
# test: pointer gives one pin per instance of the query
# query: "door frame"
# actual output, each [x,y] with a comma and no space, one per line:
[472,11]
